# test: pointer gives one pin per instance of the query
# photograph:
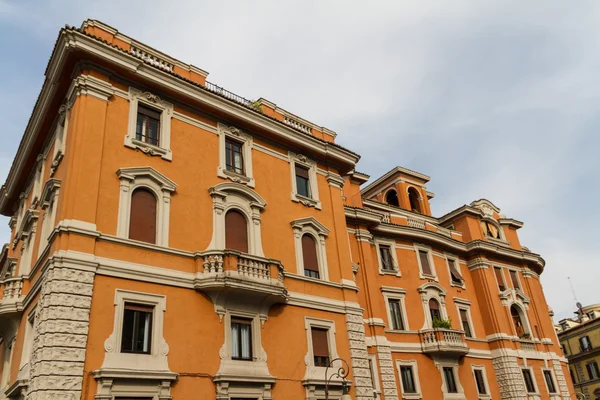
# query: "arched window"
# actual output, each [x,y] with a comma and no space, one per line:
[236,231]
[434,309]
[489,229]
[309,255]
[515,313]
[142,220]
[392,198]
[413,197]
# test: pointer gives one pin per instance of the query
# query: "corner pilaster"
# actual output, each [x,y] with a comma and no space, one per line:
[508,375]
[386,369]
[358,357]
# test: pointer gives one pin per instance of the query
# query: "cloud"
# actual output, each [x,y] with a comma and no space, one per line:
[493,99]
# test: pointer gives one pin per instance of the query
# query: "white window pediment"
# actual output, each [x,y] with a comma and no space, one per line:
[319,232]
[231,195]
[163,149]
[160,185]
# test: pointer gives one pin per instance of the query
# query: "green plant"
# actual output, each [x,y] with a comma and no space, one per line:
[256,105]
[525,336]
[442,323]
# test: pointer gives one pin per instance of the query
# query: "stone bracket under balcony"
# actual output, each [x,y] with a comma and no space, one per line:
[231,277]
[443,342]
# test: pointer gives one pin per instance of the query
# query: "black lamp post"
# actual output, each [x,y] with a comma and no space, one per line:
[341,373]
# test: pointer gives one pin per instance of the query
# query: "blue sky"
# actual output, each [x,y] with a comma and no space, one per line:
[494,99]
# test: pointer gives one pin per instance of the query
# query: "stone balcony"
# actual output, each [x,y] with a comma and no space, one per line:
[11,301]
[236,274]
[443,342]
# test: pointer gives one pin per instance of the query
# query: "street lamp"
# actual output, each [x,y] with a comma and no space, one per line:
[578,396]
[341,373]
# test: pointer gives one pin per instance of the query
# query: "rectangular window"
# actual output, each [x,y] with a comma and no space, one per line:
[529,385]
[514,279]
[549,382]
[320,344]
[396,315]
[302,181]
[585,344]
[481,389]
[500,278]
[572,376]
[234,158]
[373,371]
[241,339]
[449,379]
[148,125]
[408,379]
[137,328]
[455,276]
[425,267]
[387,263]
[592,369]
[464,318]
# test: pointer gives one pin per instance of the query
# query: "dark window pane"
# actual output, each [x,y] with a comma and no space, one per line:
[514,279]
[408,380]
[481,389]
[392,198]
[464,318]
[396,315]
[434,309]
[528,381]
[450,382]
[499,278]
[234,159]
[454,274]
[386,257]
[303,182]
[148,125]
[136,336]
[241,339]
[549,381]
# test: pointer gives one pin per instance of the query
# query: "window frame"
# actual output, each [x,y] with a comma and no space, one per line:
[317,372]
[581,348]
[463,304]
[596,369]
[516,272]
[454,367]
[156,358]
[311,166]
[226,132]
[494,267]
[152,180]
[319,233]
[422,248]
[451,257]
[393,293]
[150,336]
[550,371]
[533,380]
[415,372]
[235,319]
[154,102]
[481,368]
[374,372]
[393,253]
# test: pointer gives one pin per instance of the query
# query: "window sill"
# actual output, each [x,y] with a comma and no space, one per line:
[235,177]
[412,396]
[148,149]
[457,285]
[306,201]
[498,241]
[430,277]
[389,272]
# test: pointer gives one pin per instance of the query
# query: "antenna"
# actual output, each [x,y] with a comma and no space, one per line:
[577,304]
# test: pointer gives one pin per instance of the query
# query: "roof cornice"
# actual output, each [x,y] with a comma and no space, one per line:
[392,172]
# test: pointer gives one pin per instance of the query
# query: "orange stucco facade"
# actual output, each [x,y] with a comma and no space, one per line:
[72,269]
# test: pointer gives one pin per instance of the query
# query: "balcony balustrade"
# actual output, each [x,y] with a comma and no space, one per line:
[244,274]
[443,341]
[12,295]
[527,345]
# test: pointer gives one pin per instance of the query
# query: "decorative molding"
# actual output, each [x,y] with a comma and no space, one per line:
[194,122]
[163,149]
[87,85]
[302,160]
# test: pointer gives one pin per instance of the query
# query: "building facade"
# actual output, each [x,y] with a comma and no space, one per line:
[580,341]
[172,240]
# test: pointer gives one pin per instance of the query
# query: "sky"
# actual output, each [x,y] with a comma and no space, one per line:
[492,99]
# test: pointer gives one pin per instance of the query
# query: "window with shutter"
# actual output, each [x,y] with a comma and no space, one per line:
[142,218]
[464,319]
[320,344]
[529,385]
[455,275]
[434,309]
[302,181]
[309,255]
[514,279]
[425,267]
[549,382]
[500,278]
[236,231]
[450,380]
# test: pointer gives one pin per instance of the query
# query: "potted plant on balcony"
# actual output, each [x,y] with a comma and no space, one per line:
[440,323]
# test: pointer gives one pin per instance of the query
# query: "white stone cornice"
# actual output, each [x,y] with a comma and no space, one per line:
[335,180]
[478,263]
[87,85]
